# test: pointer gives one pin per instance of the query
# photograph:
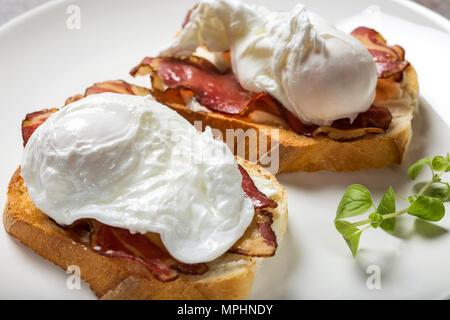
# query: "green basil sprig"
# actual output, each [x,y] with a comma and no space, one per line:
[427,204]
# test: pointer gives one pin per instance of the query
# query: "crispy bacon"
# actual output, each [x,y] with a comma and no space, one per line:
[114,86]
[375,120]
[120,243]
[32,121]
[73,99]
[296,125]
[219,92]
[375,117]
[390,60]
[263,101]
[258,198]
[117,86]
[259,240]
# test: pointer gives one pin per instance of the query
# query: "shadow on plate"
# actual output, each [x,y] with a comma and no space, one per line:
[370,261]
[408,227]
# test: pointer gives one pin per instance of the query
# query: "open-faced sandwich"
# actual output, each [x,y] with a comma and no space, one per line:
[145,205]
[326,99]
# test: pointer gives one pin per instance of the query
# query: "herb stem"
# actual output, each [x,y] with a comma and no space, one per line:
[395,214]
[425,187]
[436,179]
[401,198]
[361,223]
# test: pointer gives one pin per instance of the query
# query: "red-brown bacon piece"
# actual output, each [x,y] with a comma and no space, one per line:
[258,198]
[120,243]
[220,92]
[377,117]
[390,60]
[114,86]
[259,240]
[374,120]
[33,120]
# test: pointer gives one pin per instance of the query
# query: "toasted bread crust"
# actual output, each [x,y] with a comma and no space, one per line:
[230,277]
[300,153]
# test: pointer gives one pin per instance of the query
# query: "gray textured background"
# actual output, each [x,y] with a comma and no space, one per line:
[11,8]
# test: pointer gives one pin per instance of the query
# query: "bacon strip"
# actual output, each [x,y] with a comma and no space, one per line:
[377,117]
[32,121]
[114,86]
[374,120]
[120,243]
[296,125]
[219,92]
[259,240]
[390,60]
[258,198]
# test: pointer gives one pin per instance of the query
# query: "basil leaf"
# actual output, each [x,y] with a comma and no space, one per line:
[441,193]
[355,201]
[427,208]
[351,234]
[387,205]
[342,225]
[415,169]
[439,163]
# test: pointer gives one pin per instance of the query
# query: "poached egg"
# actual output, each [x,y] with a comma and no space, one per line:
[317,72]
[131,162]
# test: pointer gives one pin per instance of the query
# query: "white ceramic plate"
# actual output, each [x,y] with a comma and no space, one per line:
[42,62]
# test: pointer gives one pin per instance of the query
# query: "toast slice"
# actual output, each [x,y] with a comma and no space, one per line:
[229,277]
[328,148]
